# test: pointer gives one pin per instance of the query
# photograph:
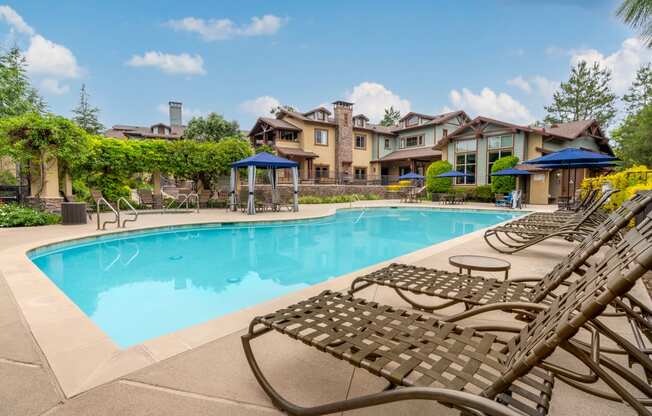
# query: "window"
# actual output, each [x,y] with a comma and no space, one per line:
[445,133]
[359,122]
[321,171]
[465,160]
[412,121]
[320,115]
[411,141]
[289,136]
[388,144]
[360,173]
[360,141]
[499,146]
[321,137]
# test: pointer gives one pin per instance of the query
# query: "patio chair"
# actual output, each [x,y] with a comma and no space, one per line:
[146,197]
[459,198]
[462,367]
[263,200]
[418,194]
[523,233]
[501,200]
[473,291]
[285,198]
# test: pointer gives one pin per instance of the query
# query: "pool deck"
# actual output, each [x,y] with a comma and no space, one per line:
[54,361]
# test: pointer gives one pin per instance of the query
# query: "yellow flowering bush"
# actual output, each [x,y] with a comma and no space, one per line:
[630,181]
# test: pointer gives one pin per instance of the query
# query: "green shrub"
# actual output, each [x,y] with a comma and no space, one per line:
[435,184]
[481,193]
[7,178]
[13,215]
[503,184]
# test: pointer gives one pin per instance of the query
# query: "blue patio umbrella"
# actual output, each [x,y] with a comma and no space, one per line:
[595,165]
[453,174]
[570,158]
[570,155]
[411,175]
[511,172]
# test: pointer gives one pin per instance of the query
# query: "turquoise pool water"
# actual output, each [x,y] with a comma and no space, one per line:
[141,285]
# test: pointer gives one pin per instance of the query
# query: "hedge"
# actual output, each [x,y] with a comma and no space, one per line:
[503,184]
[435,184]
[628,182]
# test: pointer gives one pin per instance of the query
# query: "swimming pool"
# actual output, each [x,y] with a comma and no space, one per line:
[140,285]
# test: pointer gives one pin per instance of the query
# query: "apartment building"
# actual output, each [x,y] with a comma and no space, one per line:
[339,145]
[172,131]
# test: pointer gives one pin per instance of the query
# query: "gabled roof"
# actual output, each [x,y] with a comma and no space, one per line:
[433,120]
[274,123]
[301,116]
[473,124]
[573,129]
[314,110]
[361,116]
[121,131]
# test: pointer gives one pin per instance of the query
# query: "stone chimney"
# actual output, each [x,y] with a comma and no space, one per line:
[175,113]
[343,113]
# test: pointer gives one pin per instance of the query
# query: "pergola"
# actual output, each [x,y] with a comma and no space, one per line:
[271,163]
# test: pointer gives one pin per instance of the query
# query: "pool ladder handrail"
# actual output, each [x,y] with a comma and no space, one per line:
[354,197]
[99,203]
[186,200]
[131,209]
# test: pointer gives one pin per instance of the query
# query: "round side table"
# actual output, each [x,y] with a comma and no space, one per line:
[480,263]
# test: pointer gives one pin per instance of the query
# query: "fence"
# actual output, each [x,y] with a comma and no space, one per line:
[13,193]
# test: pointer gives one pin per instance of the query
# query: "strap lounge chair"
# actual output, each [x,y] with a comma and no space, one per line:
[475,291]
[468,368]
[522,233]
[146,197]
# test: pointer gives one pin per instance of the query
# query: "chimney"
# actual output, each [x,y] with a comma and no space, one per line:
[343,113]
[175,113]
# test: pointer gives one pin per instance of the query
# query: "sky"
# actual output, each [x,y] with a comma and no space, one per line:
[496,58]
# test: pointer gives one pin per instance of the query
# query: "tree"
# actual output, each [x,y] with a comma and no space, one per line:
[586,95]
[503,184]
[85,115]
[435,184]
[640,92]
[212,128]
[632,137]
[391,117]
[17,96]
[284,107]
[638,14]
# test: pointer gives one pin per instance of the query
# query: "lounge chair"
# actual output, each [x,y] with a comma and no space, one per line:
[469,368]
[459,198]
[523,233]
[146,197]
[285,198]
[476,291]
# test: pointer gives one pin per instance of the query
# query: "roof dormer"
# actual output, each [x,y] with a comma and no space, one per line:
[161,128]
[360,120]
[319,114]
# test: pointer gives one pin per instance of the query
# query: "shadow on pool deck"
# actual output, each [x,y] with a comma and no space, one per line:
[214,379]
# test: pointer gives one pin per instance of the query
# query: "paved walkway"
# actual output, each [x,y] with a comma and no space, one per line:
[214,379]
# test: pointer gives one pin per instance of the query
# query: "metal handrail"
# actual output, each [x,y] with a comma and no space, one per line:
[357,199]
[131,208]
[186,200]
[101,201]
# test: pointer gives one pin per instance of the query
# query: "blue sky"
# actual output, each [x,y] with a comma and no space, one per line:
[499,58]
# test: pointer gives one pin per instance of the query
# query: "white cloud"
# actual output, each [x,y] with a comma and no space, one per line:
[623,63]
[545,86]
[259,106]
[487,103]
[53,86]
[221,29]
[371,99]
[47,58]
[13,19]
[539,84]
[182,64]
[520,83]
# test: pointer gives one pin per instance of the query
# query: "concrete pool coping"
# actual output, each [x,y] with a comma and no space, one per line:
[82,356]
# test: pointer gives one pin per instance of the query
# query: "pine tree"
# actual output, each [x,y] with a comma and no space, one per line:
[586,95]
[640,92]
[391,117]
[85,115]
[17,96]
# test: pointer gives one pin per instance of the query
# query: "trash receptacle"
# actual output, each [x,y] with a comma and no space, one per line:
[73,213]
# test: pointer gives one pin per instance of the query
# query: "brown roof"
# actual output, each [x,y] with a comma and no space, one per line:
[121,131]
[418,153]
[317,109]
[289,151]
[361,116]
[480,119]
[302,117]
[432,120]
[570,130]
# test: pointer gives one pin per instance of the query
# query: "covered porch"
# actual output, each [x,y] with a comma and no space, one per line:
[305,160]
[271,132]
[401,162]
